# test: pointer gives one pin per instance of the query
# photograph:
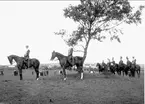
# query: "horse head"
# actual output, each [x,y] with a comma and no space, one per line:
[98,65]
[10,58]
[53,55]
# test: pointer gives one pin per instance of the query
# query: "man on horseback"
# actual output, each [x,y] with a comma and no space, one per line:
[128,62]
[26,56]
[108,64]
[133,60]
[113,61]
[121,61]
[121,65]
[103,65]
[129,66]
[70,56]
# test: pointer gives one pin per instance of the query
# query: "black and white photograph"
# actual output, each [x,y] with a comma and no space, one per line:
[72,51]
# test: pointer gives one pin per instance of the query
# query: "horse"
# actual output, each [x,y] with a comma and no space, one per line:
[65,64]
[21,64]
[136,68]
[116,67]
[121,68]
[100,67]
[111,66]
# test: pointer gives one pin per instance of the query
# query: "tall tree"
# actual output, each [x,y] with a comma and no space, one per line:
[96,18]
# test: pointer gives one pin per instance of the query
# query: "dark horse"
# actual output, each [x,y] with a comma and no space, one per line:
[21,64]
[64,63]
[101,68]
[135,68]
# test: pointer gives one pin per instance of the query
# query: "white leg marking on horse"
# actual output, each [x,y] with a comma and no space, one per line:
[82,75]
[64,79]
[37,79]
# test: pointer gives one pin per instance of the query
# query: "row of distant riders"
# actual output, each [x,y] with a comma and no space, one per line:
[130,68]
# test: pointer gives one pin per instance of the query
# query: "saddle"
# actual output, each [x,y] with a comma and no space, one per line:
[71,60]
[26,62]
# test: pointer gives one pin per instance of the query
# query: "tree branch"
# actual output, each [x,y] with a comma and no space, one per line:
[95,31]
[114,26]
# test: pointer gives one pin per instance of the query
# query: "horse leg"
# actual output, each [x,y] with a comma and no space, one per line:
[123,72]
[64,74]
[37,74]
[20,73]
[138,73]
[82,75]
[133,72]
[80,70]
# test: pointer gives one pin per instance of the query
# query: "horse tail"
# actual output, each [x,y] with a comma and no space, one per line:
[38,64]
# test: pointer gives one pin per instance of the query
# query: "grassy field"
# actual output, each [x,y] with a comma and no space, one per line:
[94,89]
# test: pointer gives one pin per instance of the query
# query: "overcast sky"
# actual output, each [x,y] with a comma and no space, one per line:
[33,23]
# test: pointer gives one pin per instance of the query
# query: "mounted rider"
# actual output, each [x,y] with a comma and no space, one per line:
[133,60]
[113,62]
[121,64]
[103,65]
[108,64]
[70,56]
[128,63]
[26,55]
[121,61]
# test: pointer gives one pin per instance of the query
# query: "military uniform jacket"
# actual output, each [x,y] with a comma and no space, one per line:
[70,52]
[27,54]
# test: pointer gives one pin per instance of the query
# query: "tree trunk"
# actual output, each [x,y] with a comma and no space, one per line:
[85,50]
[87,43]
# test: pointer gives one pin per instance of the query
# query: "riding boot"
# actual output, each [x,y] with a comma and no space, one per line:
[72,61]
[27,64]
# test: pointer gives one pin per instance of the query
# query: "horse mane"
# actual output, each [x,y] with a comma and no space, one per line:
[16,56]
[79,57]
[60,54]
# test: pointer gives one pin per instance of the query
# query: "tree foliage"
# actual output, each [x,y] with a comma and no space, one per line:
[98,16]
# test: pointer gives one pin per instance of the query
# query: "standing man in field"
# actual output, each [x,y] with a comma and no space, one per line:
[26,56]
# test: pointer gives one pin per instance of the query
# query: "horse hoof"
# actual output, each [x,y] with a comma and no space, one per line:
[64,79]
[37,79]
